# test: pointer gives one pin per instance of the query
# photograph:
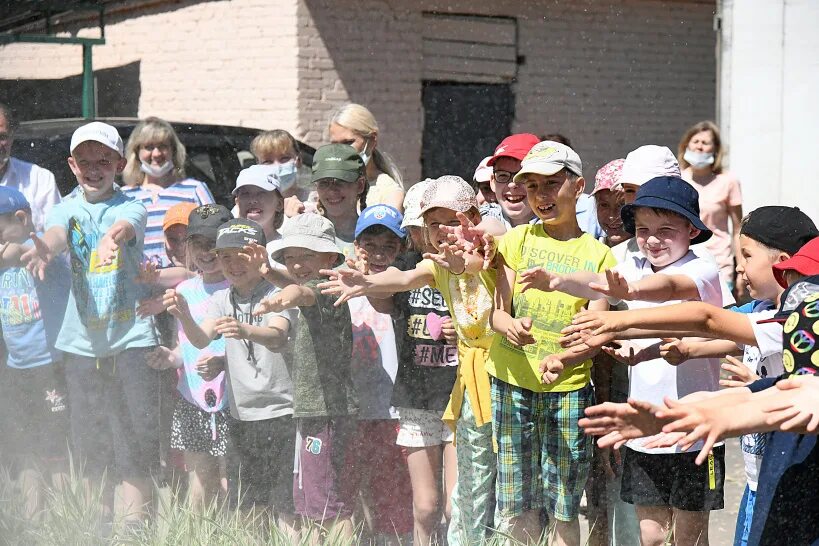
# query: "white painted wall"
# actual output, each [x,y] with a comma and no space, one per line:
[768,105]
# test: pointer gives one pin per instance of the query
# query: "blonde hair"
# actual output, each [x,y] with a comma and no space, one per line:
[152,130]
[361,121]
[716,167]
[276,142]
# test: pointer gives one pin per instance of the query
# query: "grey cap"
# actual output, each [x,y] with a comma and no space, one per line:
[548,158]
[311,231]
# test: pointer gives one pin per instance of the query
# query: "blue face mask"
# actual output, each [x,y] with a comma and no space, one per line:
[286,174]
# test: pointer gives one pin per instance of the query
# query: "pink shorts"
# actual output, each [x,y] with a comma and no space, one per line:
[319,491]
[378,470]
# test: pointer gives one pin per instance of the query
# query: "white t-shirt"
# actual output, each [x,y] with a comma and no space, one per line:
[765,360]
[374,360]
[655,379]
[629,249]
[36,184]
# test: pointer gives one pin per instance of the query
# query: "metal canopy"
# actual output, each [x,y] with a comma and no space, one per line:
[31,21]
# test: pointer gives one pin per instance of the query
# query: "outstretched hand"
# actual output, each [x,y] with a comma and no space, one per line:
[616,286]
[536,278]
[799,411]
[343,283]
[471,238]
[108,247]
[449,256]
[175,303]
[37,257]
[740,374]
[620,422]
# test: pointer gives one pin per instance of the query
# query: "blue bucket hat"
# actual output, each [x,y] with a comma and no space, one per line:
[670,193]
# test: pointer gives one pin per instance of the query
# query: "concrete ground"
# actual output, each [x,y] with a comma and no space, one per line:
[721,529]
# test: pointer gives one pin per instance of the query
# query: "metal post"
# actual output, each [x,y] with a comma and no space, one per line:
[89,106]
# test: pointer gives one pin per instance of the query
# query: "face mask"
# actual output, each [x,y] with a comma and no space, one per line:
[156,172]
[286,174]
[699,160]
[365,157]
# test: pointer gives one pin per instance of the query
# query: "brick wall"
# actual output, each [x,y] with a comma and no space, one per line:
[609,77]
[227,62]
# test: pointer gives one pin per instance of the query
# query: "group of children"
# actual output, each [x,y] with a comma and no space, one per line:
[364,367]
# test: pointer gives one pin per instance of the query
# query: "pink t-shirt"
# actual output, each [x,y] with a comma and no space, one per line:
[716,199]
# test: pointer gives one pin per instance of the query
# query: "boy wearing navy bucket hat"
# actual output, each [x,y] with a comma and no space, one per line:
[664,484]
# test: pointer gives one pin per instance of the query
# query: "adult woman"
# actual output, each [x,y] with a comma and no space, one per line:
[155,175]
[700,155]
[353,124]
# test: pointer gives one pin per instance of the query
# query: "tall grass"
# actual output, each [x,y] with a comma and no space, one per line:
[71,516]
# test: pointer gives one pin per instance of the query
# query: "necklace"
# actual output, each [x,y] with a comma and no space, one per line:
[239,315]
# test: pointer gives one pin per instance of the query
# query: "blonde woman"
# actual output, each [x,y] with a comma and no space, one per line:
[155,175]
[353,124]
[700,155]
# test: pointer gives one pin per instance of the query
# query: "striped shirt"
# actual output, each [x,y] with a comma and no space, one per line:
[188,190]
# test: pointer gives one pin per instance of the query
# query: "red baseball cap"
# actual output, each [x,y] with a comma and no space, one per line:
[516,146]
[805,262]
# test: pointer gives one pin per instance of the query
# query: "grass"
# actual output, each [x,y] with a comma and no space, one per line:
[69,518]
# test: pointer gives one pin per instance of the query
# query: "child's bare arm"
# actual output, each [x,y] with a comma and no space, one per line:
[53,242]
[676,351]
[686,319]
[794,407]
[288,297]
[199,334]
[575,284]
[660,288]
[272,335]
[517,329]
[349,283]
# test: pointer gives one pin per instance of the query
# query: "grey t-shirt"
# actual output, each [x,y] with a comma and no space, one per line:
[258,380]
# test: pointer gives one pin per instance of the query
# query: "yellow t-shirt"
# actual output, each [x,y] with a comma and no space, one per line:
[470,302]
[529,246]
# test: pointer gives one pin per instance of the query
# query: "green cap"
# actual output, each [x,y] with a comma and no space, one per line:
[337,161]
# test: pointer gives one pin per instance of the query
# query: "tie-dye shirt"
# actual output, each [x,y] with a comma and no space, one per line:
[185,191]
[191,385]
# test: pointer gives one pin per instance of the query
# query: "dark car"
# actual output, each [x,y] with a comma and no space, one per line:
[216,153]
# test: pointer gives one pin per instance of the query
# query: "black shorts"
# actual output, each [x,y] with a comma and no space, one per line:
[265,451]
[673,480]
[35,428]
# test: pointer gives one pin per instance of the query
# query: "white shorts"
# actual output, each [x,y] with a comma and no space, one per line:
[422,428]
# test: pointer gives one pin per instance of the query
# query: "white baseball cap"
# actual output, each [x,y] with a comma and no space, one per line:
[647,162]
[412,204]
[98,132]
[548,158]
[484,172]
[263,176]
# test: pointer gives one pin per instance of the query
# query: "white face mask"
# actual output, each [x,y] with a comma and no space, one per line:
[699,160]
[286,175]
[365,157]
[156,172]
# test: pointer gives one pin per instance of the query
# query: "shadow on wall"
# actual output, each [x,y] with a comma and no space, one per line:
[118,91]
[366,52]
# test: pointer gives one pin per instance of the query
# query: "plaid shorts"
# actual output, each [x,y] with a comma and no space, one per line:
[543,456]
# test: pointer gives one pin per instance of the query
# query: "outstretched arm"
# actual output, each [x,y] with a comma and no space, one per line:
[687,319]
[200,335]
[517,329]
[53,242]
[349,283]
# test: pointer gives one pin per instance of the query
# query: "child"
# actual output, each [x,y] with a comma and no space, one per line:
[105,343]
[374,457]
[279,149]
[426,373]
[260,389]
[33,386]
[467,290]
[258,198]
[481,182]
[790,460]
[199,428]
[338,173]
[174,228]
[536,470]
[511,206]
[324,403]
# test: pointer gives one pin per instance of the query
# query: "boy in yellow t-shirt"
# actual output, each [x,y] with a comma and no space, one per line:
[543,456]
